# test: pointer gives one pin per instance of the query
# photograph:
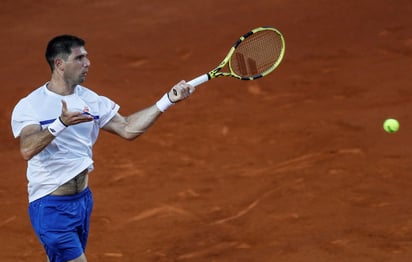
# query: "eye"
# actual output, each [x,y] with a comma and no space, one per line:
[80,58]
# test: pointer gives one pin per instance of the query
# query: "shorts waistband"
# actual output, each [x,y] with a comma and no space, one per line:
[69,197]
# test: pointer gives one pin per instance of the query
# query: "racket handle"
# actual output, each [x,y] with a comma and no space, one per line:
[199,80]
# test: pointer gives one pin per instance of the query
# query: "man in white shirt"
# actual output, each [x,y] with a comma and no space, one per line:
[58,124]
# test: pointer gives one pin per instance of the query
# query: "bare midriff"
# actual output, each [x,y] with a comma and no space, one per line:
[73,186]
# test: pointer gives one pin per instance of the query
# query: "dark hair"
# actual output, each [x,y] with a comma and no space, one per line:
[62,46]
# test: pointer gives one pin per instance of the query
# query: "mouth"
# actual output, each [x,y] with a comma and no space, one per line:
[83,75]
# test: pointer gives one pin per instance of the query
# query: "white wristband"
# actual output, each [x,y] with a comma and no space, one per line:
[164,103]
[56,127]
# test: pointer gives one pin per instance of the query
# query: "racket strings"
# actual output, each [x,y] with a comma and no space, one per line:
[257,54]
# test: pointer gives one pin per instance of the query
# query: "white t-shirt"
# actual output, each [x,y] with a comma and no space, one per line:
[71,151]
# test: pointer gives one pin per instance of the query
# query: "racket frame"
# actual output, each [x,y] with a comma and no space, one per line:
[226,61]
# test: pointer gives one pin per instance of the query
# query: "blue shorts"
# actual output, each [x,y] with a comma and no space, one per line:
[62,224]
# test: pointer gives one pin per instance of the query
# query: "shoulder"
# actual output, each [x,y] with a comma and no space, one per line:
[83,91]
[39,91]
[91,96]
[88,95]
[33,97]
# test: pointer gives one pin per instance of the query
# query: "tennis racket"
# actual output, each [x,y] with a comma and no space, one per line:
[256,54]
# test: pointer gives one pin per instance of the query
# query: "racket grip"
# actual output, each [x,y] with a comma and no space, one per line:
[199,80]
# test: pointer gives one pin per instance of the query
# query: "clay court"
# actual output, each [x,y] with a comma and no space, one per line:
[293,167]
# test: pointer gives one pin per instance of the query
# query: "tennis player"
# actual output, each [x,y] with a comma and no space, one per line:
[57,125]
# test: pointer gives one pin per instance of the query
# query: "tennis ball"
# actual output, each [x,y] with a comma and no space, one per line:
[391,125]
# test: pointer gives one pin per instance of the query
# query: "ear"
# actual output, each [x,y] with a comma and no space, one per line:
[59,64]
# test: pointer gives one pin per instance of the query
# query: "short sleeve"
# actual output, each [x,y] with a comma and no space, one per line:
[22,116]
[107,110]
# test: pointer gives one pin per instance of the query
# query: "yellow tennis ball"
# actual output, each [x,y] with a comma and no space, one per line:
[391,125]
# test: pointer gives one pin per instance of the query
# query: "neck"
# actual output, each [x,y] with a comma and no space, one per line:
[59,86]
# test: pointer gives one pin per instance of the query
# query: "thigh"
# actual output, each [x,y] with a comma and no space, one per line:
[60,225]
[82,258]
[86,215]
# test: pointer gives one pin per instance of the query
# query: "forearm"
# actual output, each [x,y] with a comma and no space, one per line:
[140,121]
[33,143]
[130,127]
[33,139]
[137,123]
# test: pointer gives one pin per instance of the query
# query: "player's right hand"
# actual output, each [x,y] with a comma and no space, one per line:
[72,118]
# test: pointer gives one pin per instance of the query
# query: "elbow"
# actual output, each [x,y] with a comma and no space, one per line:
[26,154]
[131,137]
[26,157]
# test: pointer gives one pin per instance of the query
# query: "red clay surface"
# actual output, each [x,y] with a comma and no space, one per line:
[292,167]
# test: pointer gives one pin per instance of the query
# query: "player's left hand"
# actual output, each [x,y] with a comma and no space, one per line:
[180,91]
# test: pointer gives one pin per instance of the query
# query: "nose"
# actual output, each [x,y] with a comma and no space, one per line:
[86,62]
